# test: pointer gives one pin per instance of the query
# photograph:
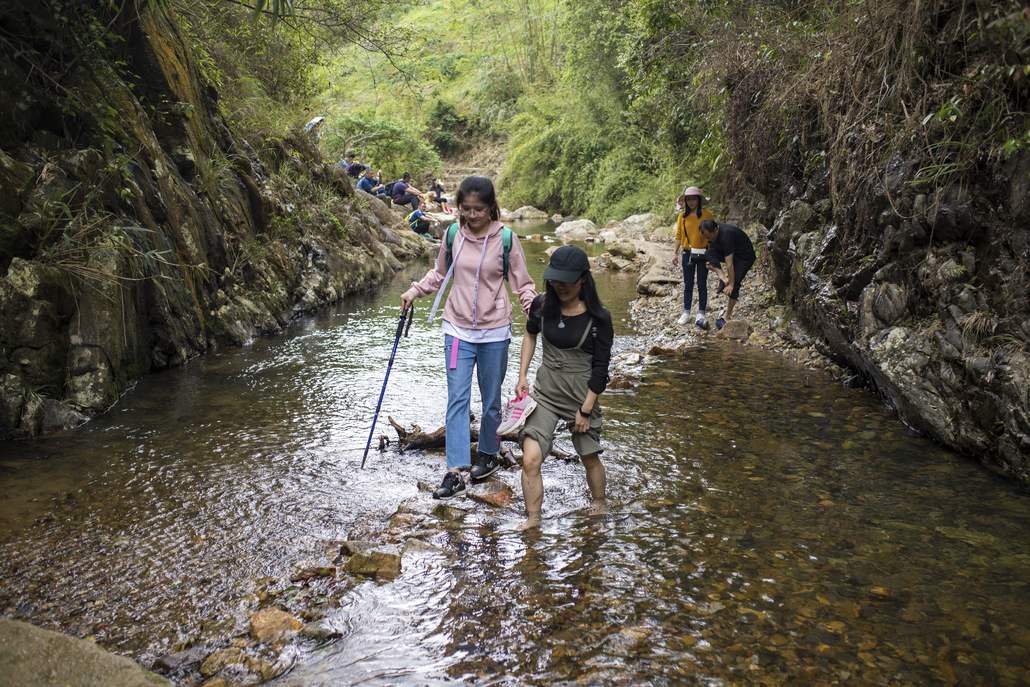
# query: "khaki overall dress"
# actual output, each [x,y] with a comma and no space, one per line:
[560,389]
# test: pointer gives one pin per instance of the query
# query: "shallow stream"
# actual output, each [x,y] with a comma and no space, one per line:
[766,525]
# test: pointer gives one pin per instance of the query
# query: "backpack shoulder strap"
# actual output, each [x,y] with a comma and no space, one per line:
[451,232]
[506,241]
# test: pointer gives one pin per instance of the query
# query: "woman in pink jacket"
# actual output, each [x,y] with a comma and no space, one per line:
[477,323]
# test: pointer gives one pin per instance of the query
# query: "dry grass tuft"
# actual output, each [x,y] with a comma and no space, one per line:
[978,324]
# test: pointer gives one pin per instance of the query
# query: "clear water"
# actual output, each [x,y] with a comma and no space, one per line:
[767,525]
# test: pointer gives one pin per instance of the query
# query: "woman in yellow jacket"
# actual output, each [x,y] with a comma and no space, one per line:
[690,252]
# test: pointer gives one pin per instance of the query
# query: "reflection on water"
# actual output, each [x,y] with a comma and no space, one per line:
[767,525]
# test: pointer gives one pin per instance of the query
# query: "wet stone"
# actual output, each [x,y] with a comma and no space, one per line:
[451,512]
[220,659]
[308,569]
[621,382]
[272,626]
[659,351]
[180,660]
[349,548]
[416,546]
[385,560]
[266,669]
[1020,637]
[406,520]
[320,631]
[492,492]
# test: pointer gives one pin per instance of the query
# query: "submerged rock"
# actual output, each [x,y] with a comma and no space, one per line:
[272,626]
[492,492]
[320,631]
[383,560]
[220,660]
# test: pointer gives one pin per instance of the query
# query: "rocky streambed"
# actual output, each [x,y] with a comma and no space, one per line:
[278,621]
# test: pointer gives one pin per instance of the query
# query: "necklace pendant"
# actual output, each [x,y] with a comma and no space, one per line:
[561,325]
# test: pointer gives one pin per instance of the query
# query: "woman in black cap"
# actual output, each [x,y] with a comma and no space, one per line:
[577,348]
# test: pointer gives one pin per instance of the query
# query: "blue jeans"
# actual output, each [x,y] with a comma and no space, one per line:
[689,270]
[491,363]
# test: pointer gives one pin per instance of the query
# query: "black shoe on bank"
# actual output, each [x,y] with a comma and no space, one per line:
[452,486]
[485,466]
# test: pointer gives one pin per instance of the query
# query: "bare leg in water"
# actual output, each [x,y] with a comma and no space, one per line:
[533,484]
[597,481]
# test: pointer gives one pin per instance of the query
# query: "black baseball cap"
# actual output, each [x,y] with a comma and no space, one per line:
[567,264]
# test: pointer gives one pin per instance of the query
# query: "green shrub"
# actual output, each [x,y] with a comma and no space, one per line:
[384,142]
[449,130]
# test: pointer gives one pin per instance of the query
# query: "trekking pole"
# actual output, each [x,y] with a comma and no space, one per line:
[400,328]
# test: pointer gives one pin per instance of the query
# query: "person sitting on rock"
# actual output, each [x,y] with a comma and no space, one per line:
[436,192]
[406,194]
[727,243]
[417,220]
[370,184]
[354,168]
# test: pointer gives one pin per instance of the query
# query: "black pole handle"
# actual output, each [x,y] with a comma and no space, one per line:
[411,316]
[400,326]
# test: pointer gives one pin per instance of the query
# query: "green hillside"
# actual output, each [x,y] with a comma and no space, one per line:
[608,108]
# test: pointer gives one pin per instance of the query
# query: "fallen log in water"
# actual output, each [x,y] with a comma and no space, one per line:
[416,439]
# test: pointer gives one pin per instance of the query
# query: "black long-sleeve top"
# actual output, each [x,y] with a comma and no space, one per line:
[598,342]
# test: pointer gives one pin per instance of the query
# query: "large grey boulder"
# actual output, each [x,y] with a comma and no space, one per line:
[528,212]
[638,225]
[622,249]
[34,657]
[578,229]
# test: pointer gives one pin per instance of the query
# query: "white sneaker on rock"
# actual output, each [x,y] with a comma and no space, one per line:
[684,318]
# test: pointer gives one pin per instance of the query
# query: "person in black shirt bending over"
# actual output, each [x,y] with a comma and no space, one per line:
[578,336]
[727,243]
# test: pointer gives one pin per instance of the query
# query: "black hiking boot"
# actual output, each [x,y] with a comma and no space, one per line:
[485,466]
[452,486]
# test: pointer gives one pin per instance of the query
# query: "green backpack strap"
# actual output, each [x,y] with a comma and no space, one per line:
[451,232]
[506,241]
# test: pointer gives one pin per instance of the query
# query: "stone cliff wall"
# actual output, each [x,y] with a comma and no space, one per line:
[928,300]
[137,229]
[895,172]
